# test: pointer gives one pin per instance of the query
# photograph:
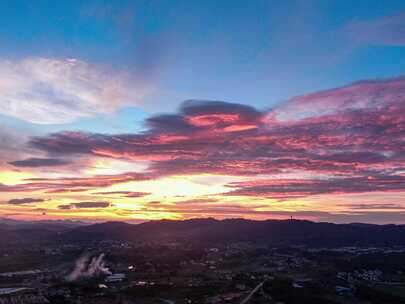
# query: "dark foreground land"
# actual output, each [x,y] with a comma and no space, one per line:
[201,261]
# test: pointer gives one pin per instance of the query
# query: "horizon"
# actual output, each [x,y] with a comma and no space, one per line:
[138,111]
[85,222]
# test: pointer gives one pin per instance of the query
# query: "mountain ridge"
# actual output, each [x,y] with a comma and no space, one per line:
[287,232]
[269,231]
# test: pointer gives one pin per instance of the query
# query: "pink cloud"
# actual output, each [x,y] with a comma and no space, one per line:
[354,135]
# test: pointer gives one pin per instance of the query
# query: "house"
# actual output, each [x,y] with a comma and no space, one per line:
[116,277]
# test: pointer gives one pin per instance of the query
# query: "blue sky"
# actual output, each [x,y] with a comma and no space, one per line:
[255,52]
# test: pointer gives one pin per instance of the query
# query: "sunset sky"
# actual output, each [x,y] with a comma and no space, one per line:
[139,110]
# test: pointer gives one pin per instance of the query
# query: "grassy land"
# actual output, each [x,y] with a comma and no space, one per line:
[395,290]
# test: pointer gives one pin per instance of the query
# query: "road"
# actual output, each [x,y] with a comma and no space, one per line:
[245,300]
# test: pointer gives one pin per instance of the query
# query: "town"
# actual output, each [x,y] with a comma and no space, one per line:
[111,271]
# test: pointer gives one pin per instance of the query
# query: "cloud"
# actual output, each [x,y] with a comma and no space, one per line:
[368,95]
[24,201]
[13,144]
[375,217]
[71,184]
[293,188]
[55,91]
[168,136]
[222,116]
[198,201]
[39,162]
[85,205]
[154,203]
[229,210]
[349,139]
[389,30]
[370,206]
[129,194]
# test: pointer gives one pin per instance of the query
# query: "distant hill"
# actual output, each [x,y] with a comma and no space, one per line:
[15,231]
[269,231]
[277,232]
[56,223]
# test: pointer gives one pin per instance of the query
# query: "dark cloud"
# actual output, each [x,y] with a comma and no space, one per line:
[71,184]
[65,207]
[221,115]
[39,162]
[85,205]
[24,201]
[137,194]
[154,203]
[289,188]
[169,123]
[66,190]
[371,206]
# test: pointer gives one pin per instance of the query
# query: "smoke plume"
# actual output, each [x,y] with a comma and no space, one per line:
[86,268]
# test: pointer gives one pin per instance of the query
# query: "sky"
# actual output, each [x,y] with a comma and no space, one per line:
[143,110]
